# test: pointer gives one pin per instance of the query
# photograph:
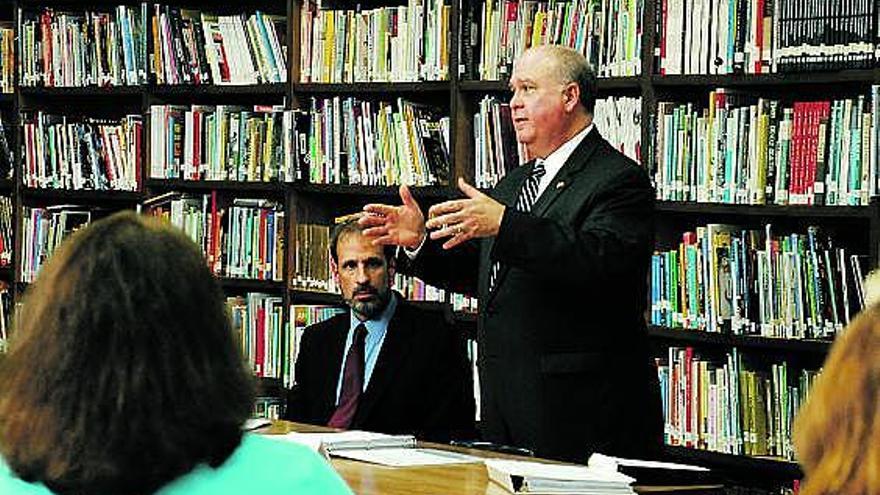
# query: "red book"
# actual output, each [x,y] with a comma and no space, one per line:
[260,352]
[759,35]
[796,154]
[664,24]
[214,233]
[689,399]
[46,28]
[263,269]
[197,143]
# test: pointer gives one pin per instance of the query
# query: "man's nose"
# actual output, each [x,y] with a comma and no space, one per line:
[515,100]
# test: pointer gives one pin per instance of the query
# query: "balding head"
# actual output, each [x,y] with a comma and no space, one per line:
[565,65]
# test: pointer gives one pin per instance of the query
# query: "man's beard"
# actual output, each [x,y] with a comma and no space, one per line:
[370,309]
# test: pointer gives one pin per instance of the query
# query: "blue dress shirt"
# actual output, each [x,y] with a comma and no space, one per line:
[376,330]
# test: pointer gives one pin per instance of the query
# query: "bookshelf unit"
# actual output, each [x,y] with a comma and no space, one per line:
[458,96]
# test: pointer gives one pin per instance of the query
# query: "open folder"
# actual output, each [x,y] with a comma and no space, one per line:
[377,448]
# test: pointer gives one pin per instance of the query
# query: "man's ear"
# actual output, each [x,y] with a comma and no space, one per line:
[392,267]
[571,96]
[334,269]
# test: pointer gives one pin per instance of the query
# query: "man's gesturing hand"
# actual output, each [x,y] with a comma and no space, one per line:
[402,225]
[464,219]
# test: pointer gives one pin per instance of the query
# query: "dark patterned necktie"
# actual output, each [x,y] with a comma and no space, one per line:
[352,381]
[524,202]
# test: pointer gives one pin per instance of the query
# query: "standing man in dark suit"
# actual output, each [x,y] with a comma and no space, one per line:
[386,365]
[558,254]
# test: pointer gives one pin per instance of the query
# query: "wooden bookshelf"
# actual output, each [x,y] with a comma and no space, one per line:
[681,336]
[251,285]
[274,89]
[763,211]
[388,89]
[82,196]
[865,76]
[761,468]
[390,192]
[299,296]
[156,185]
[77,92]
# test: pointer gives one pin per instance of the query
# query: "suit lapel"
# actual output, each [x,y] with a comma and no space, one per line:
[576,162]
[566,176]
[394,350]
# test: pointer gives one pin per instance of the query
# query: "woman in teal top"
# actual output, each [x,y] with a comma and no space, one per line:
[123,377]
[259,465]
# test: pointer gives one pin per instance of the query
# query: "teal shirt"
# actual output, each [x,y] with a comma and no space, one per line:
[259,465]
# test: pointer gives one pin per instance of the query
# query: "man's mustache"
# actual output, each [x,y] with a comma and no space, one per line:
[366,290]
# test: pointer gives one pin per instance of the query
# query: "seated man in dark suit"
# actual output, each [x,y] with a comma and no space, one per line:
[386,365]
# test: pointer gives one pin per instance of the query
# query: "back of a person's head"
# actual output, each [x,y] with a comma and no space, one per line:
[837,433]
[123,372]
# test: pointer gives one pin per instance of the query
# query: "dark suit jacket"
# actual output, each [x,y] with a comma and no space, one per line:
[422,383]
[564,361]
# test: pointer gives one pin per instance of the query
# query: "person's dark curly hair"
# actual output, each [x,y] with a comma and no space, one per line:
[123,372]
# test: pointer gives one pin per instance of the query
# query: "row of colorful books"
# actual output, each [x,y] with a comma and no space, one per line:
[258,321]
[354,141]
[42,230]
[747,150]
[243,238]
[386,44]
[111,48]
[88,48]
[495,32]
[199,47]
[718,404]
[728,279]
[222,142]
[62,152]
[764,36]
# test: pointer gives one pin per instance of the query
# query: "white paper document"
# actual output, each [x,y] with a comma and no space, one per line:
[608,462]
[406,457]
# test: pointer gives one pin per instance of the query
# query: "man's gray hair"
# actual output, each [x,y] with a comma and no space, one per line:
[571,66]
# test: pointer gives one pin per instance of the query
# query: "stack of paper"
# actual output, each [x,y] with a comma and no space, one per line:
[540,478]
[377,448]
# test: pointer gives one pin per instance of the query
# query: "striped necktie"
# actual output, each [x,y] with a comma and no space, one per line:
[524,202]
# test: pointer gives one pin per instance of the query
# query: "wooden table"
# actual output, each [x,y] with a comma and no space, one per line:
[456,479]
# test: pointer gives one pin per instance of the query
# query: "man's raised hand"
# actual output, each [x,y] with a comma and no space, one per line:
[402,225]
[463,219]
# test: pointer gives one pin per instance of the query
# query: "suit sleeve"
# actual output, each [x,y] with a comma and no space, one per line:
[616,228]
[450,411]
[454,269]
[297,396]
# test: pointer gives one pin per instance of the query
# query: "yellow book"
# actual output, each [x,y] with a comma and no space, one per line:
[268,145]
[328,45]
